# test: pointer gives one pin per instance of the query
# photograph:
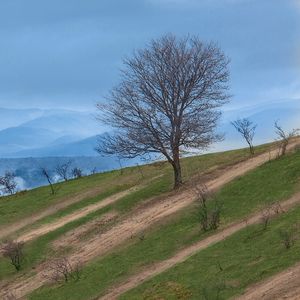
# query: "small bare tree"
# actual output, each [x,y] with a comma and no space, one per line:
[247,129]
[265,218]
[8,183]
[77,172]
[63,170]
[168,101]
[62,269]
[209,218]
[284,137]
[93,171]
[48,177]
[14,251]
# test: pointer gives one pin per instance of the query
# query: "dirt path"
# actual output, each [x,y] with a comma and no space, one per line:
[34,233]
[284,285]
[11,228]
[184,254]
[135,223]
[84,232]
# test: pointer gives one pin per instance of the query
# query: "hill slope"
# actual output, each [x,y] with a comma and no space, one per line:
[126,228]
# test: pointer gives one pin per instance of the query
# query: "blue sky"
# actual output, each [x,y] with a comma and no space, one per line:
[67,54]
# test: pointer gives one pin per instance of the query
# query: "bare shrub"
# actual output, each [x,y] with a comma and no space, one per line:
[284,137]
[277,208]
[215,216]
[202,197]
[209,218]
[8,183]
[62,270]
[13,250]
[77,172]
[93,171]
[265,218]
[63,170]
[247,129]
[46,173]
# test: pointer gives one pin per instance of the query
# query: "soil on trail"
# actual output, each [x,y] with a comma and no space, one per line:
[43,229]
[81,234]
[284,285]
[181,256]
[136,222]
[65,202]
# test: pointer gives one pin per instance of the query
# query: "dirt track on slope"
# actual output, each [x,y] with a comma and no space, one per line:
[34,233]
[135,223]
[285,285]
[84,232]
[11,228]
[184,254]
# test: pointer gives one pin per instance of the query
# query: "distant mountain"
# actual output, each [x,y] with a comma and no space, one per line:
[84,147]
[19,138]
[67,123]
[43,130]
[15,117]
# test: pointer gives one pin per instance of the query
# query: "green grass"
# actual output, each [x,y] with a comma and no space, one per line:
[24,204]
[16,207]
[230,266]
[258,188]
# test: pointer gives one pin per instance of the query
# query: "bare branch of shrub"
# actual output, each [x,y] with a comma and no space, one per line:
[62,270]
[77,172]
[48,177]
[209,218]
[13,250]
[247,129]
[284,137]
[265,218]
[8,183]
[63,170]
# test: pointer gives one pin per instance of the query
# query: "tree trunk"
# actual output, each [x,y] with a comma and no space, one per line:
[177,170]
[251,148]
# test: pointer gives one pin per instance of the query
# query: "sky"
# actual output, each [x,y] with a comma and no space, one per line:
[67,54]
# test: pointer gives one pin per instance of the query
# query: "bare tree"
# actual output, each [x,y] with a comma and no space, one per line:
[63,170]
[265,218]
[94,171]
[209,217]
[8,183]
[168,101]
[62,269]
[284,137]
[77,172]
[247,129]
[14,251]
[48,177]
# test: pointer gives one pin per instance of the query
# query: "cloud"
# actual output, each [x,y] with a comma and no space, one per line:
[297,3]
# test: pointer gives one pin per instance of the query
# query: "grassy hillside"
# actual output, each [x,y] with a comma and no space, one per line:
[270,183]
[13,208]
[155,179]
[224,270]
[241,197]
